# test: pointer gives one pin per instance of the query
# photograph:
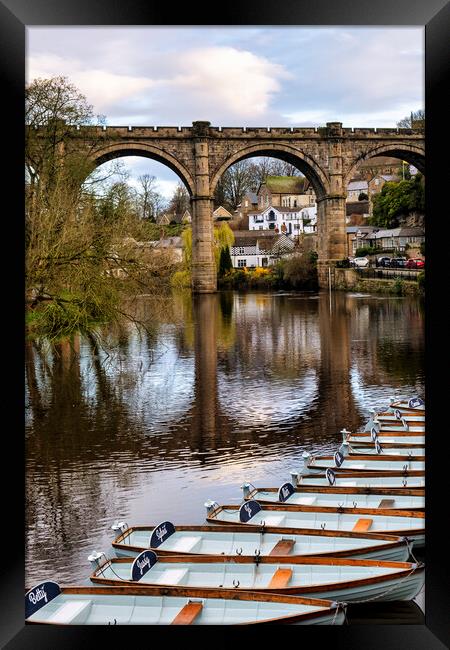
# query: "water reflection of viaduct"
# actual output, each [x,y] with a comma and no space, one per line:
[200,154]
[333,406]
[209,420]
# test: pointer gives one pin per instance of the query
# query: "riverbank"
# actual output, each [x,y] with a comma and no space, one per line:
[349,280]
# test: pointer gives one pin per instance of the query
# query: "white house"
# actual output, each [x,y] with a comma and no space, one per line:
[289,221]
[259,249]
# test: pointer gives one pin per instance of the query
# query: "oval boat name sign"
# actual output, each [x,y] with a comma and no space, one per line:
[142,564]
[331,476]
[285,491]
[39,596]
[248,510]
[338,459]
[161,533]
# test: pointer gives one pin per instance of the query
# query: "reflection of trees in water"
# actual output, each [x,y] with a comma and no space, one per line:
[276,337]
[388,340]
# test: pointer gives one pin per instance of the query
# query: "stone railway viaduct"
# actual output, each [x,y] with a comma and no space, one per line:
[328,156]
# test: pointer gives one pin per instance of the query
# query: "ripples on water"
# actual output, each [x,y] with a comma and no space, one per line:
[231,388]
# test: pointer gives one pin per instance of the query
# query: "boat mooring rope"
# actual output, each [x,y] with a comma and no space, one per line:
[394,586]
[100,568]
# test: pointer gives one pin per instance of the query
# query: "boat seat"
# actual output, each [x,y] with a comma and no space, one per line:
[386,503]
[185,544]
[274,520]
[362,525]
[188,614]
[280,578]
[306,501]
[171,576]
[283,547]
[70,611]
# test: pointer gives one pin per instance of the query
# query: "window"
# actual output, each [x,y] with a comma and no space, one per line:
[242,263]
[295,203]
[264,261]
[241,251]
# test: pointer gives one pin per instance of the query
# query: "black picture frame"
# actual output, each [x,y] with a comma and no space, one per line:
[15,16]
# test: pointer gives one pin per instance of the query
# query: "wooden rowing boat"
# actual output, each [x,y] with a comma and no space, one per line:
[410,406]
[401,437]
[366,462]
[380,520]
[334,497]
[331,578]
[394,425]
[373,480]
[396,415]
[49,603]
[167,540]
[356,448]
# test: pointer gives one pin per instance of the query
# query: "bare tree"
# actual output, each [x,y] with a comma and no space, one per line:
[83,252]
[180,201]
[150,201]
[415,120]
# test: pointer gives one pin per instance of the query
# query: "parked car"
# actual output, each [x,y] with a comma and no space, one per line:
[361,262]
[383,261]
[398,262]
[415,263]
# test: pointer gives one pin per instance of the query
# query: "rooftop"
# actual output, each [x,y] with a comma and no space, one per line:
[285,184]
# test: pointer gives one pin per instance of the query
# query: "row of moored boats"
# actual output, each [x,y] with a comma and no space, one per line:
[343,530]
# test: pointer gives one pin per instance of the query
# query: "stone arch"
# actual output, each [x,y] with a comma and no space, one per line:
[119,150]
[413,154]
[305,163]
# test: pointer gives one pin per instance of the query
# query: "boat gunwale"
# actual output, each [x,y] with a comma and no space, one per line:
[375,473]
[344,510]
[390,445]
[383,457]
[383,433]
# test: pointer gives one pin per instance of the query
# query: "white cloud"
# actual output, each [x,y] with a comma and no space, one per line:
[101,87]
[270,76]
[237,81]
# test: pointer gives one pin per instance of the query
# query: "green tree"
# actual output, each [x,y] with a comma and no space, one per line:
[225,263]
[397,200]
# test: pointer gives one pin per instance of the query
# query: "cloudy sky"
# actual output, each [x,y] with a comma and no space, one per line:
[235,76]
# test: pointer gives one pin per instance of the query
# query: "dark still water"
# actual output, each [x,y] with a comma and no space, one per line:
[224,389]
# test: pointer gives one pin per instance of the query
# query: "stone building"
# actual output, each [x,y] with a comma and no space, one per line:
[286,192]
[249,203]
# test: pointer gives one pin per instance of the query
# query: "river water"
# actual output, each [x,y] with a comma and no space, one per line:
[217,390]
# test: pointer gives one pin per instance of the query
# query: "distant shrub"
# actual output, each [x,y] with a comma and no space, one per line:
[181,279]
[365,250]
[421,281]
[398,287]
[343,264]
[300,271]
